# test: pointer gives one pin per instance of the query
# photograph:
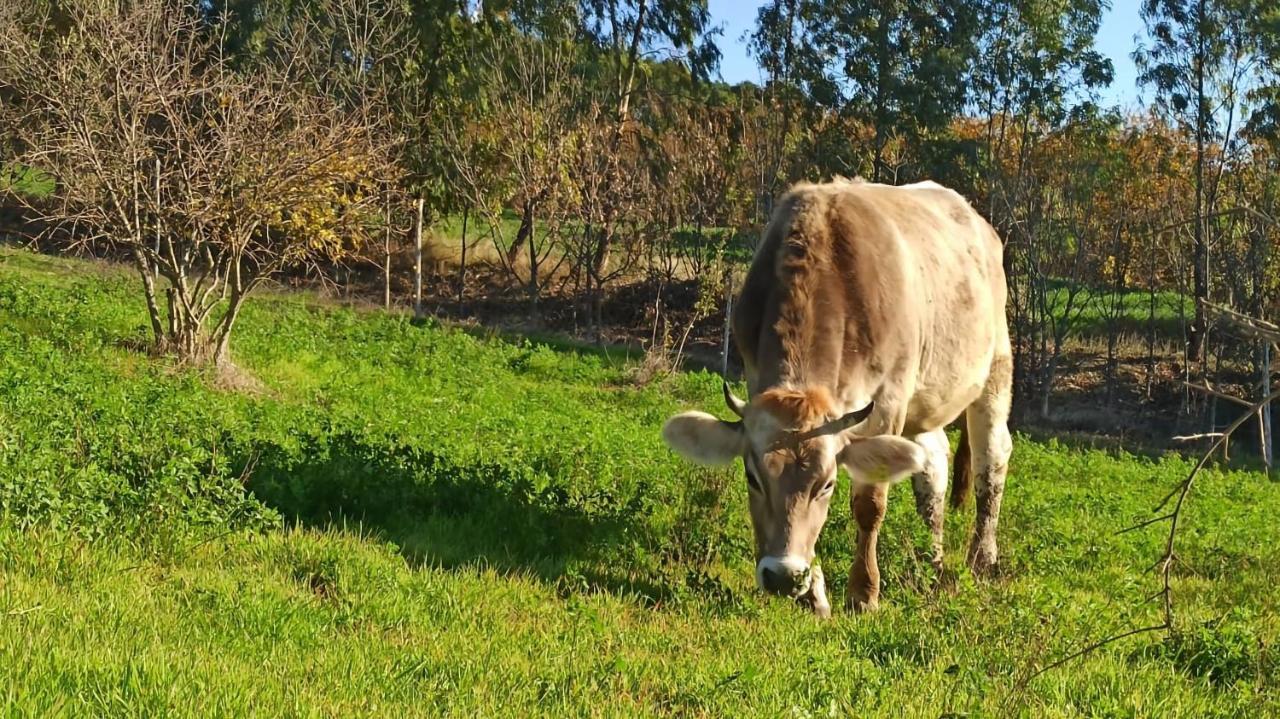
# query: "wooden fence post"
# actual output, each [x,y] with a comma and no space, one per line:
[1264,414]
[417,260]
[386,255]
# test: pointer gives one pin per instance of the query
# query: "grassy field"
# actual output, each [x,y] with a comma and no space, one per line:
[414,520]
[1094,312]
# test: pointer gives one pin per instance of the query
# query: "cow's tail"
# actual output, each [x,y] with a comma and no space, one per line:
[961,469]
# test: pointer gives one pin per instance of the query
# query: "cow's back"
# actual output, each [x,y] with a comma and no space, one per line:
[894,294]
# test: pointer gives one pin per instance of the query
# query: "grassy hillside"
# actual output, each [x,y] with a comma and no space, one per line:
[413,520]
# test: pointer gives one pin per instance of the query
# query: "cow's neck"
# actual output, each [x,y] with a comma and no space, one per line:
[802,345]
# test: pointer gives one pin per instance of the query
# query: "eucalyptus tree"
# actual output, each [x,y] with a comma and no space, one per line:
[898,67]
[779,114]
[1198,59]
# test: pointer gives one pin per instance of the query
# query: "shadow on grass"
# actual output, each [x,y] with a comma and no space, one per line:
[440,513]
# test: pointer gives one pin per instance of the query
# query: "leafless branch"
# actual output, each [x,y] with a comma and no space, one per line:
[1168,558]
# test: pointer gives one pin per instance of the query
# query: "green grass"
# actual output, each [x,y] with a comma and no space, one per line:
[736,247]
[1094,312]
[418,521]
[447,232]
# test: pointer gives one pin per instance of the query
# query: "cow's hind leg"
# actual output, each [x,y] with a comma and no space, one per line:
[930,486]
[990,446]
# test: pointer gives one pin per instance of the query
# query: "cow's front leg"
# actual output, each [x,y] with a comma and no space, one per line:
[869,503]
[929,487]
[816,598]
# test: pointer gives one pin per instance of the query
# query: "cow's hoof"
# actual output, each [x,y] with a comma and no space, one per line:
[983,561]
[815,600]
[862,606]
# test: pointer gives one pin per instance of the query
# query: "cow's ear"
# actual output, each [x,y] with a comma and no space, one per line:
[701,438]
[881,460]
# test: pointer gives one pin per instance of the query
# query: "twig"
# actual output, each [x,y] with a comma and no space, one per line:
[728,320]
[1092,647]
[1194,437]
[20,612]
[1145,523]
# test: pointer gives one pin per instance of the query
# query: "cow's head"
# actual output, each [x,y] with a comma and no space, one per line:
[791,442]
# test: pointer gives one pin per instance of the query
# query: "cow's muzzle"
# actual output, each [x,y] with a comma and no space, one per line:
[785,576]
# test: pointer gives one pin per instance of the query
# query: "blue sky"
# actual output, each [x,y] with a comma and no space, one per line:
[1115,40]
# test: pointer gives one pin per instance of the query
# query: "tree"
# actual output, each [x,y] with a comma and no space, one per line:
[1264,121]
[1200,54]
[775,117]
[619,32]
[518,141]
[896,67]
[212,180]
[899,66]
[1034,70]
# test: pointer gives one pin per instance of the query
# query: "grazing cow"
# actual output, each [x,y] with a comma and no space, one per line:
[871,318]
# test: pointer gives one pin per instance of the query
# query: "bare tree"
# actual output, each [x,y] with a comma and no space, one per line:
[522,146]
[212,181]
[613,185]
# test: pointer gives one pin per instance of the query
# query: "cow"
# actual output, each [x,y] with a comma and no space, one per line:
[872,317]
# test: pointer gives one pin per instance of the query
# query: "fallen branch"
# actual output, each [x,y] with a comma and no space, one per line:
[1167,559]
[1216,393]
[20,612]
[1195,437]
[1095,646]
[1242,323]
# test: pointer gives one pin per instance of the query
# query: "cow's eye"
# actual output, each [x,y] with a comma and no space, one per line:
[753,483]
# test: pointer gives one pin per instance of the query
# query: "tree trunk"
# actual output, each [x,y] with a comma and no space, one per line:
[1264,416]
[600,260]
[417,259]
[1151,321]
[149,289]
[1200,252]
[533,266]
[524,233]
[597,311]
[882,82]
[1112,364]
[222,338]
[1050,374]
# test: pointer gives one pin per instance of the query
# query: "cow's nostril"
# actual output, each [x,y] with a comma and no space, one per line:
[774,581]
[783,575]
[784,581]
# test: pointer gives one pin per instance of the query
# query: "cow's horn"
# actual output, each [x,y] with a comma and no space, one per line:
[835,426]
[849,420]
[735,404]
